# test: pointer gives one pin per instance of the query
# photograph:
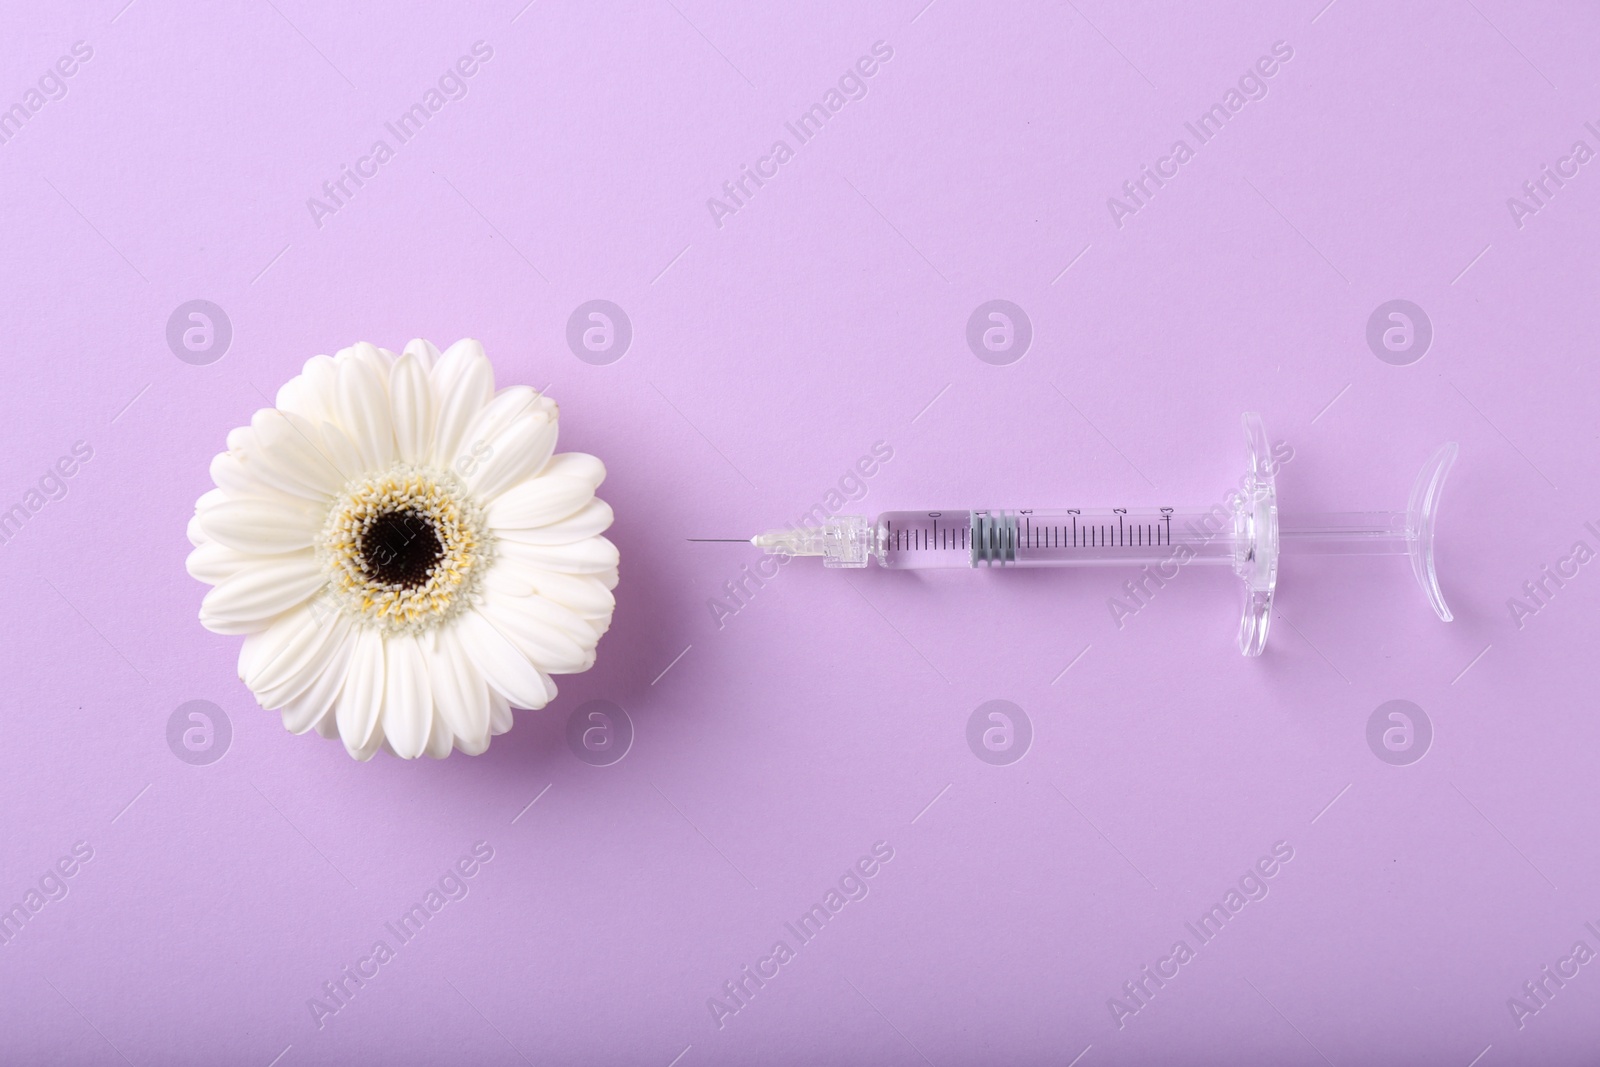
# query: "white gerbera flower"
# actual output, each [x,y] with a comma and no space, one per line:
[406,554]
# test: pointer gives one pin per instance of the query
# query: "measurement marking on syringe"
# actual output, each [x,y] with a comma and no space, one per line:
[1006,534]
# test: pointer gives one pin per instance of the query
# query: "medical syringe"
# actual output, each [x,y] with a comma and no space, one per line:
[1244,531]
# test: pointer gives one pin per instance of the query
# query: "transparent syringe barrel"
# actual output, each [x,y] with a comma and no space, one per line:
[1055,538]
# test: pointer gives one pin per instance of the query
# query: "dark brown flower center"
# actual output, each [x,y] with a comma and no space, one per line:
[400,548]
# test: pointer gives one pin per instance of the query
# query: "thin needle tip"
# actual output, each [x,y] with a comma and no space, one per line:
[722,540]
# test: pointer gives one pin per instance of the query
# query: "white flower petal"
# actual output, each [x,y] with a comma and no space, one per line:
[504,667]
[467,348]
[227,472]
[460,695]
[545,610]
[505,406]
[311,394]
[265,646]
[237,477]
[309,712]
[588,597]
[278,664]
[407,700]
[463,382]
[264,527]
[487,436]
[286,455]
[361,699]
[518,452]
[371,748]
[584,595]
[293,396]
[194,531]
[440,740]
[213,562]
[424,350]
[578,465]
[314,706]
[411,404]
[244,602]
[526,622]
[594,518]
[580,606]
[342,452]
[364,411]
[379,359]
[500,720]
[231,627]
[302,715]
[595,556]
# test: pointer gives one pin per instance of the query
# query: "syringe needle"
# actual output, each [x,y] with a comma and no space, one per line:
[722,540]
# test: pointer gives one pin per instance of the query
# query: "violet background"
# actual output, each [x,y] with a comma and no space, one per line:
[768,355]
